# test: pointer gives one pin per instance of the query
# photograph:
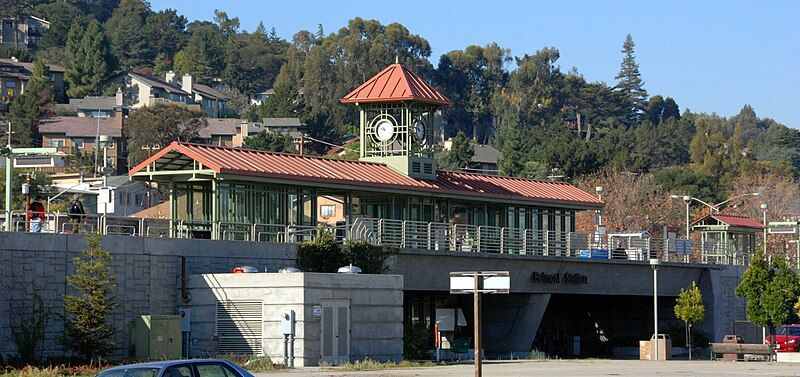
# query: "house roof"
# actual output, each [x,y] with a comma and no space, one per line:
[155,82]
[281,122]
[220,127]
[485,154]
[28,67]
[315,170]
[207,91]
[79,126]
[394,84]
[733,220]
[159,211]
[94,103]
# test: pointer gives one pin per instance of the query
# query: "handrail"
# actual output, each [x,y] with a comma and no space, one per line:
[435,236]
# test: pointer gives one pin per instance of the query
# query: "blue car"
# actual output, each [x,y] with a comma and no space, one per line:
[178,368]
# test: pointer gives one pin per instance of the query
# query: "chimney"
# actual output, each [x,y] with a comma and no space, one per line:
[187,83]
[118,98]
[169,77]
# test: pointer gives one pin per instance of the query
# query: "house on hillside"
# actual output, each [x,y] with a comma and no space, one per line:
[22,32]
[14,77]
[229,132]
[262,95]
[81,134]
[147,90]
[483,161]
[93,106]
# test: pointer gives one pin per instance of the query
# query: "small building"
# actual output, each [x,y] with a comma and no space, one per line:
[23,31]
[340,318]
[14,77]
[262,95]
[120,197]
[727,236]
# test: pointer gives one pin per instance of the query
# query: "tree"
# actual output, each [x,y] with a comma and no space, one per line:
[253,61]
[126,29]
[459,156]
[273,142]
[160,125]
[281,104]
[689,308]
[781,295]
[630,81]
[61,16]
[28,108]
[755,282]
[88,60]
[87,330]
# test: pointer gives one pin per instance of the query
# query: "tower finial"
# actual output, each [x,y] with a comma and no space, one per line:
[397,59]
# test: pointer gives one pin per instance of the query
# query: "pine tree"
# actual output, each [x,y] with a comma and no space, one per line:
[630,82]
[87,330]
[88,61]
[26,109]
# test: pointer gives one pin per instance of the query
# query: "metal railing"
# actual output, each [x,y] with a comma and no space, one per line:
[435,236]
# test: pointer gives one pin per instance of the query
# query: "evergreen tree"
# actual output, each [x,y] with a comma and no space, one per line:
[269,141]
[61,15]
[460,154]
[781,294]
[753,288]
[88,62]
[87,330]
[26,109]
[128,35]
[281,104]
[630,82]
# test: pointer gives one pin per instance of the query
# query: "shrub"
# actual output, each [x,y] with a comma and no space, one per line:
[324,254]
[415,341]
[29,332]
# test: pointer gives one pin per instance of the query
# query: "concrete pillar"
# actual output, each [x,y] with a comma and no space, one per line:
[511,322]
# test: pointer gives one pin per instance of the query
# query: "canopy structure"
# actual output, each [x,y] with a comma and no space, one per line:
[729,234]
[396,83]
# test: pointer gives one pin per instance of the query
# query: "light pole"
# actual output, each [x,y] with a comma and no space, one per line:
[599,191]
[764,211]
[654,263]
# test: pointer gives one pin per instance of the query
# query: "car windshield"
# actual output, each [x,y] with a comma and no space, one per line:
[131,372]
[788,331]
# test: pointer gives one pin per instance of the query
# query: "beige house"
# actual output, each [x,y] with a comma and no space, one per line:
[14,77]
[22,32]
[147,90]
[70,134]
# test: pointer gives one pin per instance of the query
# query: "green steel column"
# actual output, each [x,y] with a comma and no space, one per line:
[9,173]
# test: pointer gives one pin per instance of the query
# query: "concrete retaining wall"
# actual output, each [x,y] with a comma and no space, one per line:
[148,274]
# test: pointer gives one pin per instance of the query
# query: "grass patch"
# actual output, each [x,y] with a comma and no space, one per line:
[254,364]
[52,371]
[368,364]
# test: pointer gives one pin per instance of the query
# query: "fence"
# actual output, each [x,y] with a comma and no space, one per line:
[398,233]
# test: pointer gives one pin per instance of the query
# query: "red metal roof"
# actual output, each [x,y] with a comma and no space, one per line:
[292,167]
[396,83]
[734,220]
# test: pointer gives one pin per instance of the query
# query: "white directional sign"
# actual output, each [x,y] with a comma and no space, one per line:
[782,227]
[491,282]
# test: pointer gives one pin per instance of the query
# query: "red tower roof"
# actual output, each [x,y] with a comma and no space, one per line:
[396,83]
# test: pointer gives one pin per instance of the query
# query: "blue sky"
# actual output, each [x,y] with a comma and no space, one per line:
[709,56]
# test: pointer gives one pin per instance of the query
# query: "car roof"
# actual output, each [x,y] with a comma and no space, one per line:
[167,363]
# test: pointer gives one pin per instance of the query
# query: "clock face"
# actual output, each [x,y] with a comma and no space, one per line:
[384,130]
[419,130]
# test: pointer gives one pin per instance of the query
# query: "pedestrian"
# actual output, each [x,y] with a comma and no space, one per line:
[36,215]
[76,212]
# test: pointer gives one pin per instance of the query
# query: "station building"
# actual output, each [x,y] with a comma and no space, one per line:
[441,221]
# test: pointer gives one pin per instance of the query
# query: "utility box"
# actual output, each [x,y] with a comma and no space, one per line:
[156,337]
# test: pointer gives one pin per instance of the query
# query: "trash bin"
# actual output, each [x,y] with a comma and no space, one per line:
[731,338]
[647,348]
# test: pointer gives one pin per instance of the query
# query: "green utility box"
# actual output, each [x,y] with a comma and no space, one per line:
[156,337]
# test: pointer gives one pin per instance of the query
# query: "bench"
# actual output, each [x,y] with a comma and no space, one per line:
[742,349]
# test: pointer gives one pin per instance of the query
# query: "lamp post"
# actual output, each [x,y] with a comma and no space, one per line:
[713,207]
[599,191]
[764,211]
[654,263]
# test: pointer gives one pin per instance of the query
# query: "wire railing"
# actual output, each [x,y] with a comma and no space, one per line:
[435,236]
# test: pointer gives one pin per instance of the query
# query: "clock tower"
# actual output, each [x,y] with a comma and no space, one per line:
[396,120]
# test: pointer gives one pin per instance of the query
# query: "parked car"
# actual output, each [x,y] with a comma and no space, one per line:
[787,338]
[178,368]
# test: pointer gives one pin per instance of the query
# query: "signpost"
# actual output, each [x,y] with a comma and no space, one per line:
[477,282]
